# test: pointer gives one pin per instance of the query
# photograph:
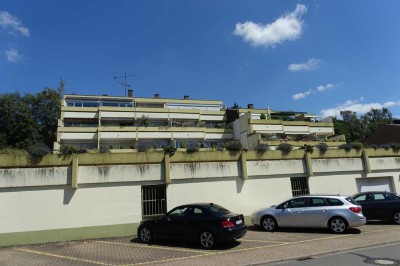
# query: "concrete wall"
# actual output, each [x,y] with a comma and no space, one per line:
[103,191]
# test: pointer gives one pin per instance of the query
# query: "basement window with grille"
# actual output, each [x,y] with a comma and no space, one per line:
[299,186]
[154,201]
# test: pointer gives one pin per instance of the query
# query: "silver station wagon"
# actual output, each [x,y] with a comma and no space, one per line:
[318,211]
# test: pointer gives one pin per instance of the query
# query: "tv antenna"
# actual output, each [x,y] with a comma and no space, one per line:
[125,76]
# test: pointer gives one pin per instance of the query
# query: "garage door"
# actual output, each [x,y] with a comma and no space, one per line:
[374,184]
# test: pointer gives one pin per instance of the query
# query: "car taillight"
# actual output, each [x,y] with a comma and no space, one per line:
[355,209]
[227,224]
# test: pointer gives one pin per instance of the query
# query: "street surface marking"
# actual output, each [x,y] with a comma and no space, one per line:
[60,256]
[262,241]
[255,248]
[155,247]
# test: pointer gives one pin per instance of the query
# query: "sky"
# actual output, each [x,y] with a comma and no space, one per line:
[319,57]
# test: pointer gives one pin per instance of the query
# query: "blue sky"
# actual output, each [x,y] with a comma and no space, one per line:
[314,56]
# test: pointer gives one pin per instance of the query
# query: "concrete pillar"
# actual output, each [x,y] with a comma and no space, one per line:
[243,163]
[308,161]
[167,169]
[367,165]
[75,167]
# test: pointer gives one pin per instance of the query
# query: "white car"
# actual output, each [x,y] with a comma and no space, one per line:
[318,211]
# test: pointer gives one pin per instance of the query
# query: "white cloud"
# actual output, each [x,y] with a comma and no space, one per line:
[287,27]
[307,66]
[12,24]
[320,88]
[301,95]
[13,55]
[356,106]
[325,87]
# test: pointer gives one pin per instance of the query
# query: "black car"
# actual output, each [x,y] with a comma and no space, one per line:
[378,205]
[206,223]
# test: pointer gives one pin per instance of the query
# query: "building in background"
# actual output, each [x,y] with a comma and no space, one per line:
[119,122]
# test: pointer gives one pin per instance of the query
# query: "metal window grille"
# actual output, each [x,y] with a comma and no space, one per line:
[299,186]
[154,203]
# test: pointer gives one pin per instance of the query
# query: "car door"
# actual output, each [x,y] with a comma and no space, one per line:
[316,212]
[292,213]
[174,224]
[381,206]
[364,200]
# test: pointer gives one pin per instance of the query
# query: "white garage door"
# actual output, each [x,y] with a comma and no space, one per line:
[374,184]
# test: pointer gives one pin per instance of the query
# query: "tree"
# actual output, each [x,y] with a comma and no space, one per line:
[357,129]
[29,119]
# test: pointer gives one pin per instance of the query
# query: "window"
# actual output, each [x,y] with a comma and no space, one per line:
[334,202]
[216,209]
[361,198]
[296,203]
[317,202]
[381,197]
[154,203]
[299,186]
[179,212]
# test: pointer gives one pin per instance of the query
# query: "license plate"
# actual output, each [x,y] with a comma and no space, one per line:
[239,222]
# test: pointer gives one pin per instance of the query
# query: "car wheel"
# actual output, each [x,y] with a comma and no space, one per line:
[145,235]
[396,217]
[337,225]
[207,239]
[269,224]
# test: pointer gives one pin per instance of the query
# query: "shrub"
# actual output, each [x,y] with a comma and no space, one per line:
[268,136]
[322,147]
[285,147]
[373,146]
[233,145]
[178,124]
[188,124]
[202,145]
[347,147]
[104,149]
[143,147]
[263,116]
[68,149]
[144,121]
[182,144]
[169,149]
[111,147]
[192,147]
[132,146]
[39,150]
[385,146]
[307,148]
[395,147]
[356,145]
[220,125]
[261,148]
[202,124]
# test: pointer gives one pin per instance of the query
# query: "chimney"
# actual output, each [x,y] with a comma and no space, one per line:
[157,95]
[186,97]
[250,106]
[130,93]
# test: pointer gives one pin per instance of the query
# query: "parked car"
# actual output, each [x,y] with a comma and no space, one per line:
[378,205]
[334,212]
[206,223]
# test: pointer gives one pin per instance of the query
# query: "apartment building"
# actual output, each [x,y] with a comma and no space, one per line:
[127,122]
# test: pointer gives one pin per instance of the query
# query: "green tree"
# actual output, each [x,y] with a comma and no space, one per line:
[357,129]
[29,119]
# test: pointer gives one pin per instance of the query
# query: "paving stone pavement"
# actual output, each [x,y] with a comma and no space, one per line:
[256,248]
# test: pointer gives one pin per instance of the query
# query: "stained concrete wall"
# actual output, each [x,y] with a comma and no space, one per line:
[39,197]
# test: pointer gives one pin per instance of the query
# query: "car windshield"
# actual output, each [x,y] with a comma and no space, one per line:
[216,210]
[351,200]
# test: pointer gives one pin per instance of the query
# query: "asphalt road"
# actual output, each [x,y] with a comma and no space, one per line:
[387,254]
[290,246]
